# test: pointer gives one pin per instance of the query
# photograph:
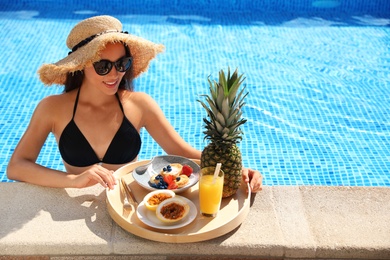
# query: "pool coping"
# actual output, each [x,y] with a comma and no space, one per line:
[284,222]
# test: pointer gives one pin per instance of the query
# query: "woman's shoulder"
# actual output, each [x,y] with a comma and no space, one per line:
[55,103]
[138,98]
[55,99]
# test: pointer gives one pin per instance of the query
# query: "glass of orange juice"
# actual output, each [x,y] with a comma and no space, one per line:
[210,191]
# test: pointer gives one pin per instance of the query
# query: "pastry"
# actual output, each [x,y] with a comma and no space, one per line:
[172,210]
[173,169]
[154,198]
[181,180]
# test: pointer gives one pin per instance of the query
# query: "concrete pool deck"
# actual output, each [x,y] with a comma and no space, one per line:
[312,222]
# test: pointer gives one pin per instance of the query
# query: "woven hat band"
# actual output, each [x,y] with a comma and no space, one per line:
[90,38]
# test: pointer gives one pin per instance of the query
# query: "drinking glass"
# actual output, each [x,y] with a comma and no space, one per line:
[210,191]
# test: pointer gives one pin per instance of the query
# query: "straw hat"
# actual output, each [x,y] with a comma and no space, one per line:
[86,41]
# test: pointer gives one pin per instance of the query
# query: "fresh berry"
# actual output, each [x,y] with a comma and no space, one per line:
[172,186]
[169,179]
[187,170]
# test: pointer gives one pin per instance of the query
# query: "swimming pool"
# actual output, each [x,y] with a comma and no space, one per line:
[317,72]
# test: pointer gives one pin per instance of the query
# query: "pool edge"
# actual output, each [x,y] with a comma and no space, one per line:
[315,222]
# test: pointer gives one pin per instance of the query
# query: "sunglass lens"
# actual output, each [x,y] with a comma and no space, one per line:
[102,67]
[124,64]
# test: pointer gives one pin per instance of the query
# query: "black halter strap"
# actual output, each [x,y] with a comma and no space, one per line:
[77,101]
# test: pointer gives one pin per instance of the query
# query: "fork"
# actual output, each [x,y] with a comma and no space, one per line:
[127,208]
[129,193]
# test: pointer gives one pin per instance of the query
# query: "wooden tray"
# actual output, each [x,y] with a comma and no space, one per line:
[232,213]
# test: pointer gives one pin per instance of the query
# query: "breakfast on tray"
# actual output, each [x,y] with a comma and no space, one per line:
[171,177]
[160,211]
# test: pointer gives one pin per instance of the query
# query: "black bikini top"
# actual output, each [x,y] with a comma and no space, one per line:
[76,150]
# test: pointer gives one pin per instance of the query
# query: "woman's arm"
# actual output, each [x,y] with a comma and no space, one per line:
[23,167]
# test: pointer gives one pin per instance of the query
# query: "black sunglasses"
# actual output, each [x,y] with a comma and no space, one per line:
[103,67]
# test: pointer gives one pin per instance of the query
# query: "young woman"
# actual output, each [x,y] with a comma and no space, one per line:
[97,120]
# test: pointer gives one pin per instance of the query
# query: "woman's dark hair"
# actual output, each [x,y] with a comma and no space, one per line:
[75,79]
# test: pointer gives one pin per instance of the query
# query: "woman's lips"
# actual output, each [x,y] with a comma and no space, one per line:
[111,84]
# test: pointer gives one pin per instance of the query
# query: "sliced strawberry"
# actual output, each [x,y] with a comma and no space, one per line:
[172,186]
[187,170]
[169,179]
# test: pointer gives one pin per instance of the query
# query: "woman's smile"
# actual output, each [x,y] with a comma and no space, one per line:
[111,84]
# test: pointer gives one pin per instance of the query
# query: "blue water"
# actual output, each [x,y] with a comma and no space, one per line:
[317,72]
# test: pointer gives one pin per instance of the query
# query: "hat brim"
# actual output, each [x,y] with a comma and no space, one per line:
[142,51]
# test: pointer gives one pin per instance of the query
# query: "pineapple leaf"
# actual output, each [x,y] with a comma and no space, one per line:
[220,95]
[234,89]
[212,105]
[232,117]
[222,81]
[225,107]
[209,112]
[225,131]
[221,119]
[239,98]
[213,89]
[219,127]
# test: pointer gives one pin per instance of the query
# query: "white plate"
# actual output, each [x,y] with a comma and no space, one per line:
[148,217]
[142,176]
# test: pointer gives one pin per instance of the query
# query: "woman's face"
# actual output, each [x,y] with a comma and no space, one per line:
[108,83]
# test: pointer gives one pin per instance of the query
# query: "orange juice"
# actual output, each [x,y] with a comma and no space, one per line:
[210,192]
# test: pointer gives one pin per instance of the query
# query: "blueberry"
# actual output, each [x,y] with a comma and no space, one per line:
[164,169]
[177,178]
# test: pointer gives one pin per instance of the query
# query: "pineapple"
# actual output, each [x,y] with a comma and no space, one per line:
[223,107]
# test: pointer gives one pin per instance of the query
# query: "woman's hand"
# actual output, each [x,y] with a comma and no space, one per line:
[254,178]
[95,174]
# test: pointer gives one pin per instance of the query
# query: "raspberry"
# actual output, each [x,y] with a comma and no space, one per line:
[187,170]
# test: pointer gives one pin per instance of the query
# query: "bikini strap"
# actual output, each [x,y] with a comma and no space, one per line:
[120,104]
[75,103]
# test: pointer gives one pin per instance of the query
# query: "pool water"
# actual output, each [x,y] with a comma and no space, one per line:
[317,73]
